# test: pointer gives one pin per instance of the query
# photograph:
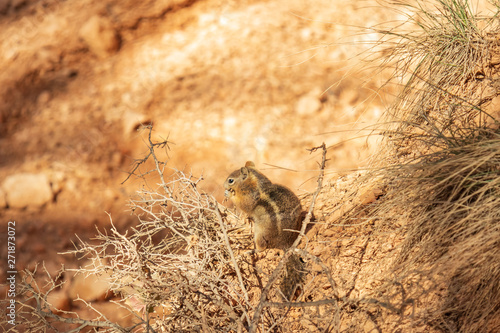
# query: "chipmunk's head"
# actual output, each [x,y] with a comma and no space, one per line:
[235,179]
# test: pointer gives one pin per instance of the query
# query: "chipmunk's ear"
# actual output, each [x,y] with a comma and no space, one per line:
[244,172]
[250,164]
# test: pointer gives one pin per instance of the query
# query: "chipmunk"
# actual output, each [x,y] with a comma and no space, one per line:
[273,208]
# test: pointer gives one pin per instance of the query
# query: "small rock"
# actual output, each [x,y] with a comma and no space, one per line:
[10,54]
[308,104]
[495,59]
[58,301]
[317,249]
[493,109]
[316,267]
[100,36]
[43,98]
[370,326]
[132,121]
[27,190]
[47,57]
[89,286]
[163,310]
[329,233]
[69,72]
[370,195]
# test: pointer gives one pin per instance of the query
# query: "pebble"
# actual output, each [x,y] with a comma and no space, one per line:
[132,121]
[43,98]
[58,301]
[89,286]
[493,109]
[308,104]
[24,190]
[100,36]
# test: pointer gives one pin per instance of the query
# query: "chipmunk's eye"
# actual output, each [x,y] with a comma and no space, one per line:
[230,181]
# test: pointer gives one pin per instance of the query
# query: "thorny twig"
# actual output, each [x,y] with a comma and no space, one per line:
[152,146]
[233,259]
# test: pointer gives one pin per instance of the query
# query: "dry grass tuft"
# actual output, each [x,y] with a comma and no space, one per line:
[441,167]
[450,201]
[440,59]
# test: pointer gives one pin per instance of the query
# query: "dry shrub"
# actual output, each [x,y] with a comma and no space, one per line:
[440,168]
[174,271]
[185,268]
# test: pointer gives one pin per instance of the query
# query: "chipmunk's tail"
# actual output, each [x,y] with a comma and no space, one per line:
[293,277]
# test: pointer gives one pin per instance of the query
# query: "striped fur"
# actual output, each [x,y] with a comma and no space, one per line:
[272,207]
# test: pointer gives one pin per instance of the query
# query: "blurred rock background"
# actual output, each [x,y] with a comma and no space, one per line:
[225,81]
